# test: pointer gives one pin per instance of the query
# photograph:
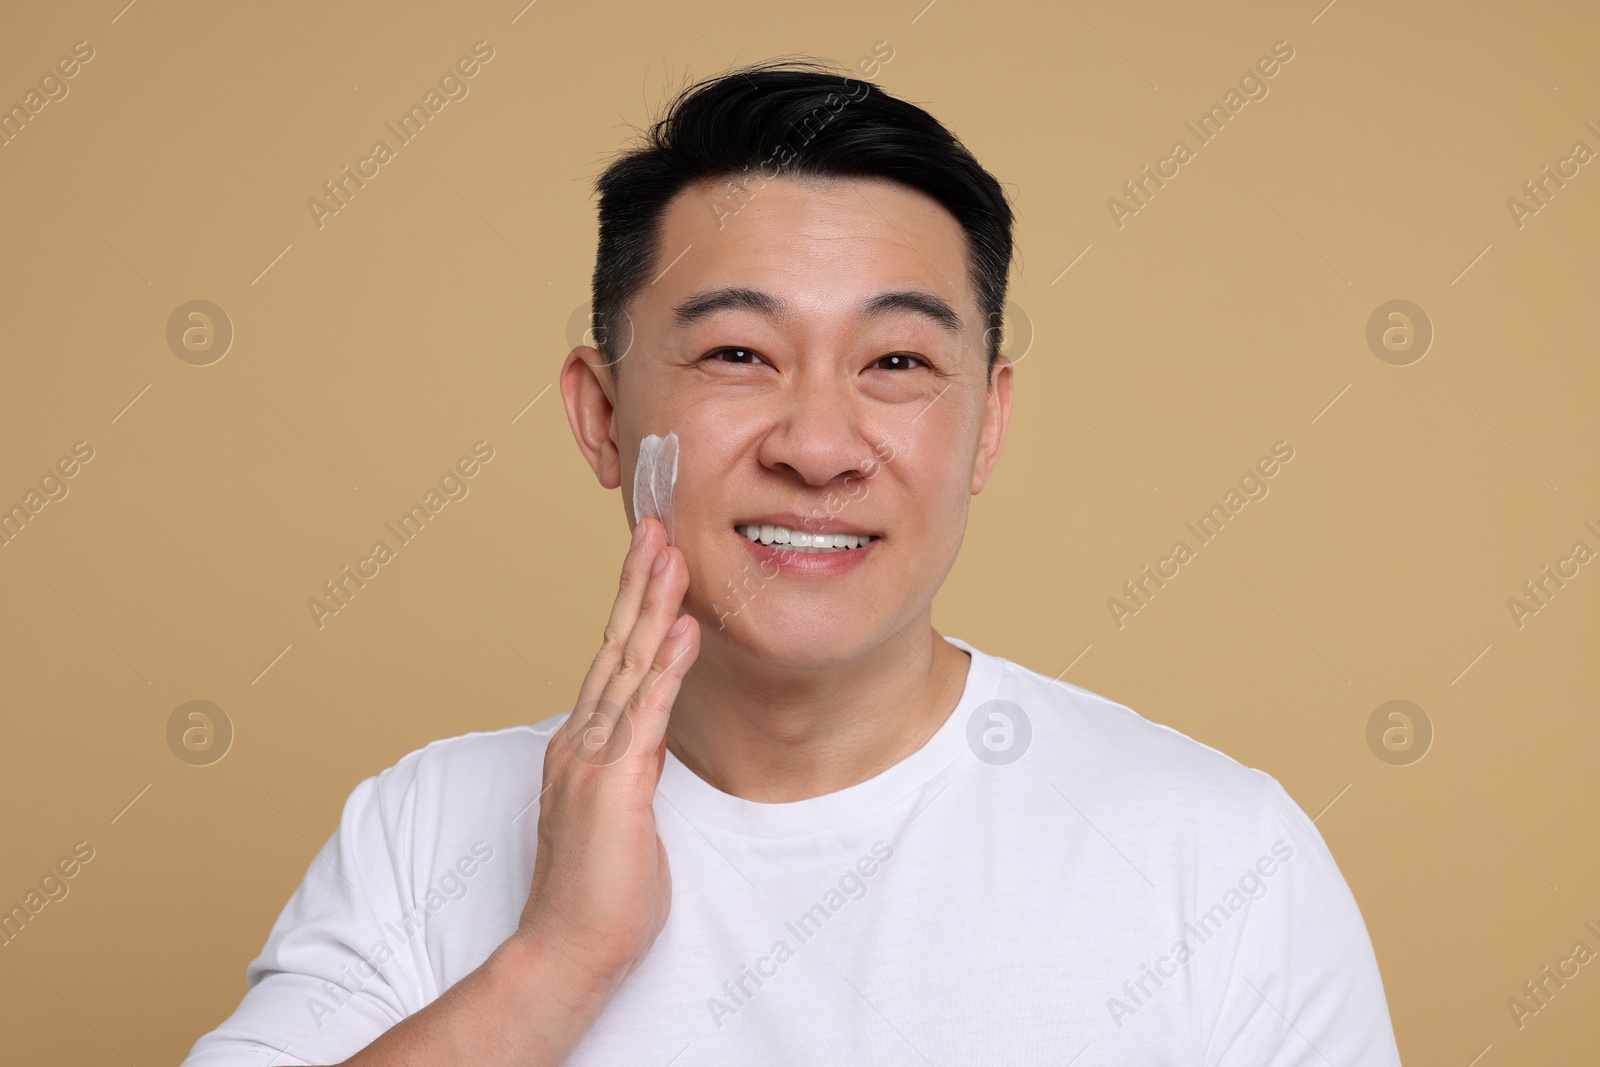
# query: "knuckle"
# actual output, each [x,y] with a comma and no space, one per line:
[637,703]
[612,640]
[628,579]
[632,663]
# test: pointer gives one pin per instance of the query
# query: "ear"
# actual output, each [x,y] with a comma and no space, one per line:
[996,418]
[587,391]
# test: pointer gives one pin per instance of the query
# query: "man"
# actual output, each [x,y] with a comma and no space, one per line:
[794,823]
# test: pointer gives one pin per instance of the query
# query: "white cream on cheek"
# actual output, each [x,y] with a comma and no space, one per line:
[653,479]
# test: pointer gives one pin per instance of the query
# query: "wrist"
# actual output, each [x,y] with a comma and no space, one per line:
[550,971]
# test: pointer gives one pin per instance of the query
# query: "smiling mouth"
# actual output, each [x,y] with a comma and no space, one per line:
[803,540]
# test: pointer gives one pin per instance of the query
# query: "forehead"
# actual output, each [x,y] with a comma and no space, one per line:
[820,244]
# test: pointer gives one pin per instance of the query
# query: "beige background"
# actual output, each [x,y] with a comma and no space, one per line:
[369,354]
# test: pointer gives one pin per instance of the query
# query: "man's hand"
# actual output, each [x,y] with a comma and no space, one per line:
[601,888]
[601,885]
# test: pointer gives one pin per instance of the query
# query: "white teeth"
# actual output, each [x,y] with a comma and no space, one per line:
[801,540]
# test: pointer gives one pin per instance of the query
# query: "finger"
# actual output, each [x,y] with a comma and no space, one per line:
[624,610]
[651,705]
[604,733]
[662,597]
[591,729]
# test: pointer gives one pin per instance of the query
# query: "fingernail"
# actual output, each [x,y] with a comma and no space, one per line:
[661,561]
[678,627]
[638,534]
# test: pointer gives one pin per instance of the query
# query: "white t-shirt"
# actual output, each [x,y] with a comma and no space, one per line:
[1050,879]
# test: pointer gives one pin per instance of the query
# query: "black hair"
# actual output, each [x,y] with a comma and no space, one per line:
[798,118]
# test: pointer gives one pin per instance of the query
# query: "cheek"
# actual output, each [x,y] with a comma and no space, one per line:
[694,495]
[711,550]
[935,474]
[927,493]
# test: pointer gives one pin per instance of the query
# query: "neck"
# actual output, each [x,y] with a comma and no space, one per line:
[775,733]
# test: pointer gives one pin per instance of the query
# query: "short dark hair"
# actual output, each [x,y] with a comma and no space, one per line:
[799,118]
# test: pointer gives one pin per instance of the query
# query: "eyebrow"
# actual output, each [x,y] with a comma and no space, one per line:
[734,297]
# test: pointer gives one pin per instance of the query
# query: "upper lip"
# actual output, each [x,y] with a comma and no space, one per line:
[806,524]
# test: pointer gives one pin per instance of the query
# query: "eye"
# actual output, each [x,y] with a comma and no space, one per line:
[902,361]
[718,353]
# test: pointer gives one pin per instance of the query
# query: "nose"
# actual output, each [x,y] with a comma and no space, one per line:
[818,429]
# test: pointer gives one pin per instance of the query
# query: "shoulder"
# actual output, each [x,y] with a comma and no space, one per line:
[1183,812]
[465,775]
[1111,753]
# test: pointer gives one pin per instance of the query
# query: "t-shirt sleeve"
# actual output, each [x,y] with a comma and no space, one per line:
[1304,988]
[328,982]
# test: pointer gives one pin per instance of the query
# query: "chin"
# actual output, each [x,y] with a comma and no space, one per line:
[792,634]
[839,652]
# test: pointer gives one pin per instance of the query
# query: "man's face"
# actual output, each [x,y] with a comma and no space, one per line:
[806,403]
